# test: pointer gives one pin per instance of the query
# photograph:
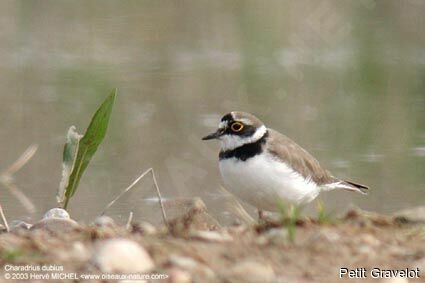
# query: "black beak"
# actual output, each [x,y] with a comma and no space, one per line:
[215,135]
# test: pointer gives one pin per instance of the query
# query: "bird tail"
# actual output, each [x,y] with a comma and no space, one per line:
[346,185]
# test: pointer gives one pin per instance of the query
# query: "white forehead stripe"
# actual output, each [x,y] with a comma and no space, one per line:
[222,124]
[230,142]
[245,121]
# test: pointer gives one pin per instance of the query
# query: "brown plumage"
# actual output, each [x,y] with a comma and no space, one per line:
[261,166]
[280,147]
[304,163]
[244,116]
[294,155]
[299,159]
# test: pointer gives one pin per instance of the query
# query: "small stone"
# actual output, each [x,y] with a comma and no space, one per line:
[262,240]
[104,221]
[412,215]
[56,224]
[79,252]
[238,229]
[369,240]
[329,235]
[396,251]
[277,236]
[191,265]
[183,262]
[145,228]
[178,275]
[251,271]
[121,255]
[76,252]
[195,217]
[19,224]
[367,251]
[211,236]
[198,204]
[56,213]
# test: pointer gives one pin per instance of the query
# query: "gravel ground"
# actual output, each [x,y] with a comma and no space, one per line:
[195,249]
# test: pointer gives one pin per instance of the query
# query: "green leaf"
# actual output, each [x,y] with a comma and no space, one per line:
[89,143]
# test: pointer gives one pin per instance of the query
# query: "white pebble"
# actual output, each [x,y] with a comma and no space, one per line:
[121,255]
[104,221]
[56,213]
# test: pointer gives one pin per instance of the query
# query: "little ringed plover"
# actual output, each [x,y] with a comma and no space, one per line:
[261,166]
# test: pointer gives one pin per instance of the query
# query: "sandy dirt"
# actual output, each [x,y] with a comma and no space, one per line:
[193,249]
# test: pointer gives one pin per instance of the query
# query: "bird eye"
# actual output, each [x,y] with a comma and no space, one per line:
[237,127]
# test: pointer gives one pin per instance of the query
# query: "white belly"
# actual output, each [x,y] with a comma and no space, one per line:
[261,181]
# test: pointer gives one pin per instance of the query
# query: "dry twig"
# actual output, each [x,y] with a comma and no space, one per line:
[236,208]
[130,218]
[150,170]
[7,178]
[4,219]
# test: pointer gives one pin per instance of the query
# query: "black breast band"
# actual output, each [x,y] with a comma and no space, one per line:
[245,151]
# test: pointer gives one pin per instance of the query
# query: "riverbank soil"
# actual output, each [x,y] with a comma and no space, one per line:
[194,249]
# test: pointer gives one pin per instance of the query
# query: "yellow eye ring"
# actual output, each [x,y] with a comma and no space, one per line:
[237,127]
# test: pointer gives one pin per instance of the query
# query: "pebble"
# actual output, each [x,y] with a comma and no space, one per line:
[413,215]
[56,213]
[277,236]
[104,221]
[76,252]
[56,224]
[145,228]
[79,252]
[367,251]
[211,236]
[191,265]
[183,262]
[197,204]
[262,240]
[251,271]
[19,224]
[396,251]
[330,236]
[370,240]
[121,255]
[177,275]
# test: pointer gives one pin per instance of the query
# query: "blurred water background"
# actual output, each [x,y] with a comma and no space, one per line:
[345,79]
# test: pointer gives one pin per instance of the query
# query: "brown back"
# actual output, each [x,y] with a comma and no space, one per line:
[298,158]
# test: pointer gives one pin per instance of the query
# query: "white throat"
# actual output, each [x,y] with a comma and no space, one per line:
[230,142]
